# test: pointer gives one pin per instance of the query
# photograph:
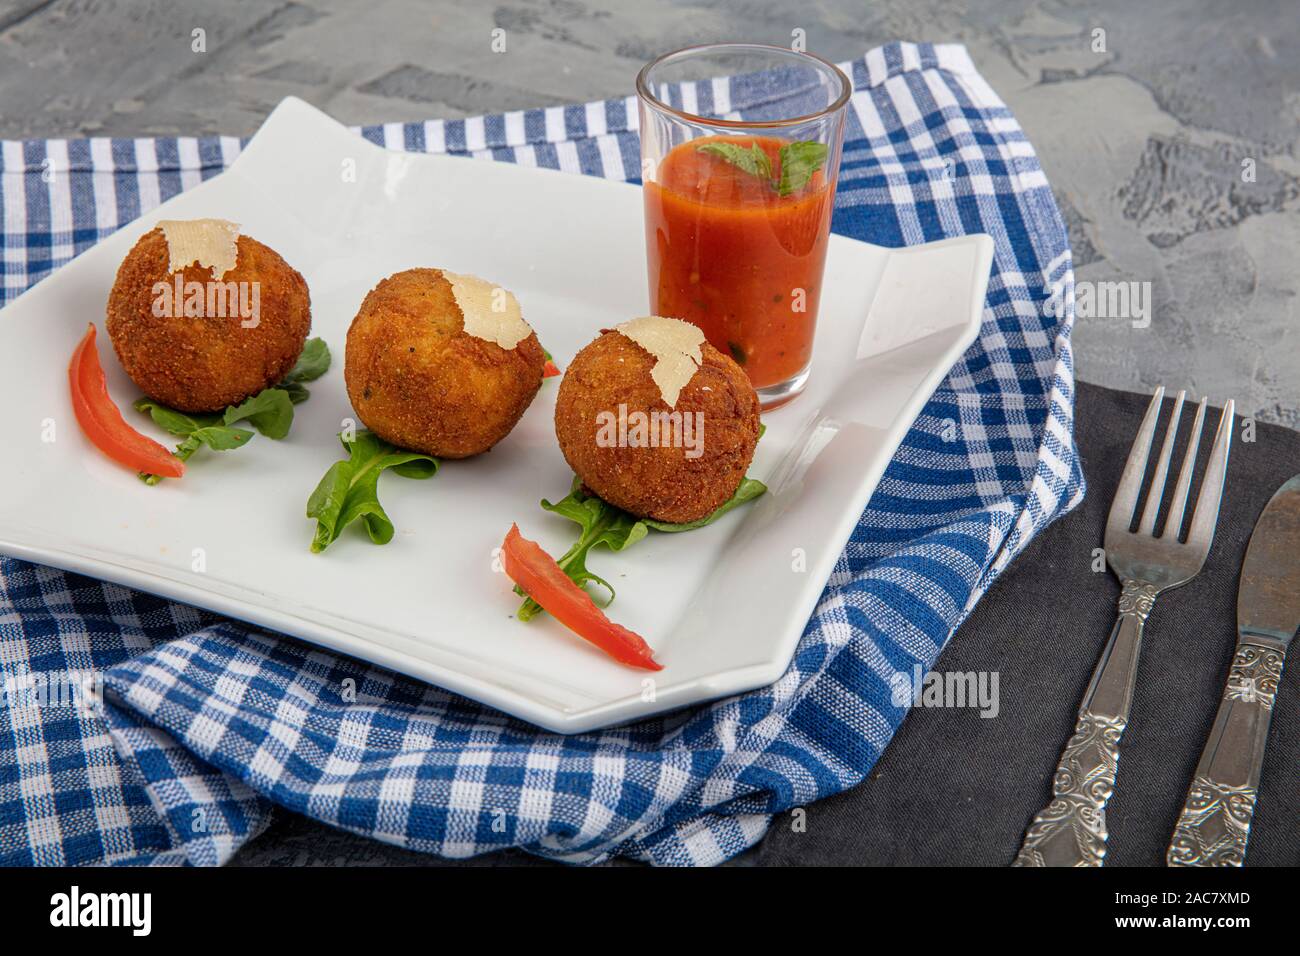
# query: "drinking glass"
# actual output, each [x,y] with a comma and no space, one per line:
[740,154]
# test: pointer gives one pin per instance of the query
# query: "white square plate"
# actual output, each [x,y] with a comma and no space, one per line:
[721,606]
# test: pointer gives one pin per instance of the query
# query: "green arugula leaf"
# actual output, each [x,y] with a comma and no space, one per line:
[350,489]
[617,530]
[601,523]
[170,420]
[221,437]
[197,430]
[747,491]
[297,393]
[312,363]
[753,160]
[798,163]
[270,411]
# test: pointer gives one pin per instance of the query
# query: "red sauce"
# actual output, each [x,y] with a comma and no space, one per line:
[730,254]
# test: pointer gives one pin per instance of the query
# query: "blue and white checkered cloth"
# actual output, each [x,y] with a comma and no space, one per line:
[206,724]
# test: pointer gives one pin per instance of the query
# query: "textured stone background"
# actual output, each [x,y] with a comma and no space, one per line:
[1143,143]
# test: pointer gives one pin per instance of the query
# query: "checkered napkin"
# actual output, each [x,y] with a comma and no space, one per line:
[205,724]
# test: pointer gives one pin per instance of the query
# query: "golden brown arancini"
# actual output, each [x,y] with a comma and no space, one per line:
[418,380]
[662,482]
[204,363]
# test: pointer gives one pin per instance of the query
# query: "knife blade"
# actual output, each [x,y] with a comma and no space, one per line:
[1214,826]
[1268,598]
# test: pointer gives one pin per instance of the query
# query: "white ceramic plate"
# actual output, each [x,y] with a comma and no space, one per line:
[721,606]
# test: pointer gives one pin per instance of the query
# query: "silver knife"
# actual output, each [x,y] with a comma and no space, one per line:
[1215,822]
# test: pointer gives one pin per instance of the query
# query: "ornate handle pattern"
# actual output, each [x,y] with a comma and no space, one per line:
[1071,829]
[1215,823]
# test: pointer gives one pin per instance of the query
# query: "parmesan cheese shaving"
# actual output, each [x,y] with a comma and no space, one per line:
[491,312]
[209,242]
[676,347]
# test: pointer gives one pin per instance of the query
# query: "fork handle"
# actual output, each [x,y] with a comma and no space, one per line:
[1071,829]
[1215,822]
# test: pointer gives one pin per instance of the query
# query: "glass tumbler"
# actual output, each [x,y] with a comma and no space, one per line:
[740,154]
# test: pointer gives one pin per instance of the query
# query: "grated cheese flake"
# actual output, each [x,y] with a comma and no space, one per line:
[676,347]
[209,242]
[491,312]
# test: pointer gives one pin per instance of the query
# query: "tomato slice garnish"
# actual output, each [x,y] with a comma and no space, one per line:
[102,422]
[546,583]
[549,370]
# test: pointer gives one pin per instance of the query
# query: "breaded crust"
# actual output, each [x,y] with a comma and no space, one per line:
[656,482]
[203,364]
[419,381]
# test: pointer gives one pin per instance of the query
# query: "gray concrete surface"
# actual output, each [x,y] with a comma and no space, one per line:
[1143,141]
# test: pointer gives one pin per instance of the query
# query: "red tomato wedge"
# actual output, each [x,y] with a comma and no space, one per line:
[546,583]
[549,370]
[103,424]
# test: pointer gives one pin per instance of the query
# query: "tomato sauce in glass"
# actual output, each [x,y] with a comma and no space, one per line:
[730,254]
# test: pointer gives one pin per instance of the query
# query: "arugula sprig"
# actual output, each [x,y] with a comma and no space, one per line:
[602,523]
[196,430]
[799,161]
[311,365]
[350,488]
[270,411]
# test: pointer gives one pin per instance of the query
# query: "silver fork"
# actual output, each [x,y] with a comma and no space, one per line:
[1071,829]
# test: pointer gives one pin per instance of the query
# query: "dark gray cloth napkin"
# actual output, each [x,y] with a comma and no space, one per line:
[953,788]
[956,788]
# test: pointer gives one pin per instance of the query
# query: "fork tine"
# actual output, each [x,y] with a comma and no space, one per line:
[1206,515]
[1178,505]
[1125,501]
[1157,493]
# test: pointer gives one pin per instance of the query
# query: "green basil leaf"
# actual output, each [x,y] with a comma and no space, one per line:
[349,490]
[798,163]
[752,160]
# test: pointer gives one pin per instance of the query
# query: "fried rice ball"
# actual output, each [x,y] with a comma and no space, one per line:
[204,363]
[663,482]
[418,380]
